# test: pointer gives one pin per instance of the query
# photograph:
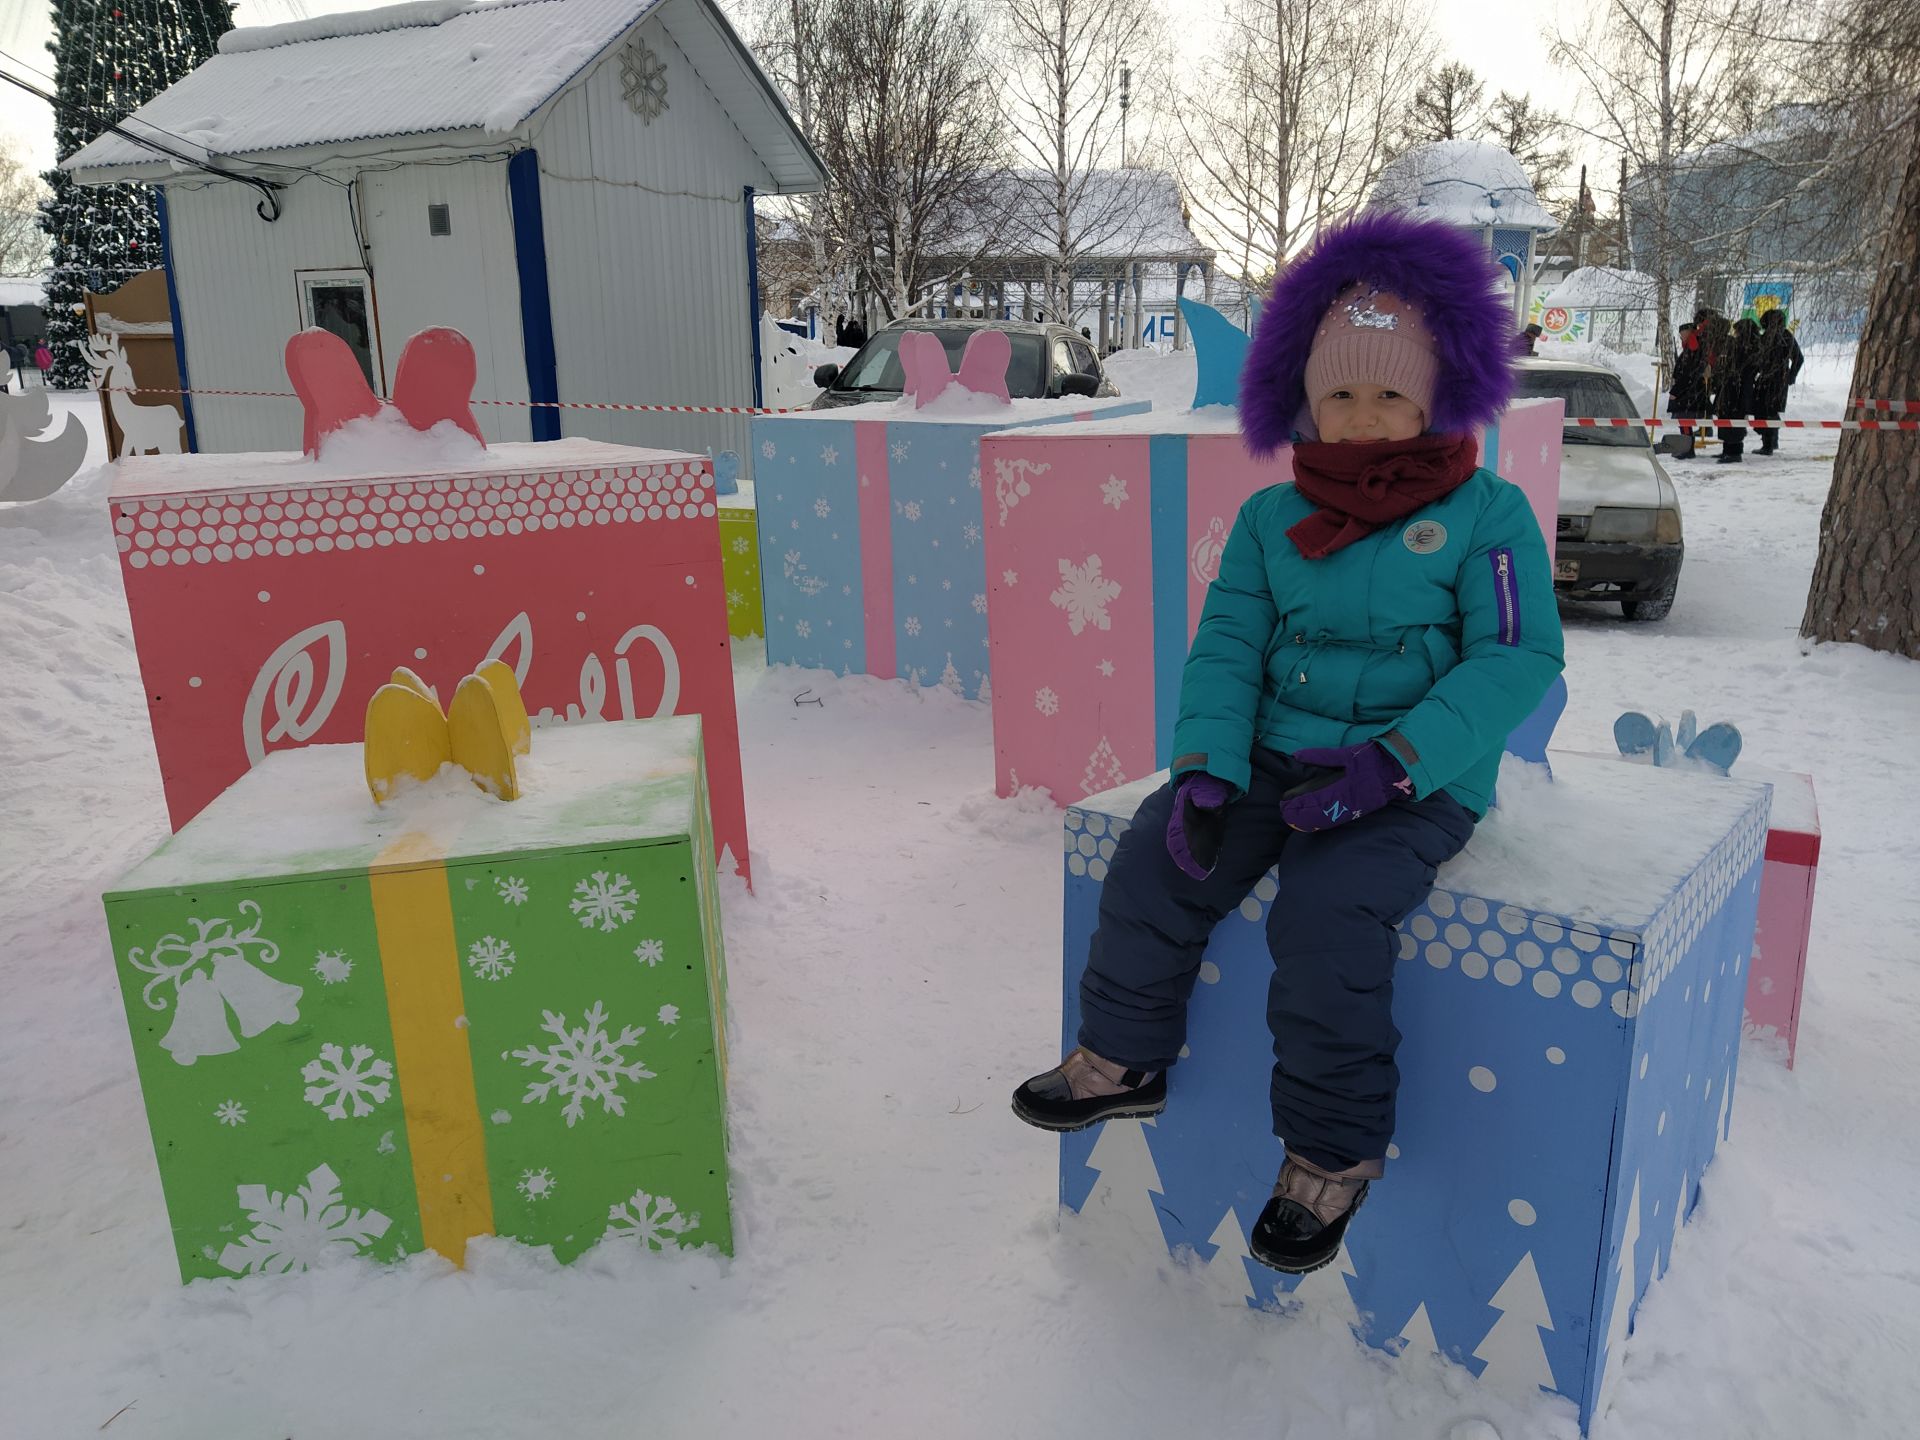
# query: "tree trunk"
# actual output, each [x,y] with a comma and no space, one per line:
[1866,582]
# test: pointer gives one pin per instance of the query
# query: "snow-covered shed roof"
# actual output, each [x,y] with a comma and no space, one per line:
[458,71]
[1466,181]
[22,290]
[1599,287]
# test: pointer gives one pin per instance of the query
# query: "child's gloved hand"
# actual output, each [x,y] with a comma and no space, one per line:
[1369,779]
[1199,823]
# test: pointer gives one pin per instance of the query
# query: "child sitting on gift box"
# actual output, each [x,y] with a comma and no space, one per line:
[1376,630]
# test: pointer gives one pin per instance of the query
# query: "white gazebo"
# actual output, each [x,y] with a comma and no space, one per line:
[1479,187]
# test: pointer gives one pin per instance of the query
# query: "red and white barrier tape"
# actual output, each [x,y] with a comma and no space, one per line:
[521,404]
[1584,421]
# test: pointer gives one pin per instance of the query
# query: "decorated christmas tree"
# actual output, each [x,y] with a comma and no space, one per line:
[109,59]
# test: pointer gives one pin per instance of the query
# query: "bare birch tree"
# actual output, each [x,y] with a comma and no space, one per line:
[24,247]
[1666,78]
[1294,117]
[1065,127]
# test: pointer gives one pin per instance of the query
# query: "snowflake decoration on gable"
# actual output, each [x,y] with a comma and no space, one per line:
[650,952]
[1046,701]
[511,888]
[735,599]
[653,1220]
[803,628]
[979,604]
[1114,492]
[490,958]
[604,900]
[912,627]
[584,1063]
[669,1015]
[332,966]
[1009,577]
[230,1112]
[901,449]
[1084,594]
[821,508]
[300,1231]
[354,1078]
[643,82]
[911,509]
[829,456]
[740,546]
[766,453]
[536,1184]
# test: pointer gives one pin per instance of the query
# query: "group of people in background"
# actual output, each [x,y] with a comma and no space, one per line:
[29,363]
[1733,371]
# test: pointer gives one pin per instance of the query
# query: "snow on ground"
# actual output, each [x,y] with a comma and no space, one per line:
[902,1266]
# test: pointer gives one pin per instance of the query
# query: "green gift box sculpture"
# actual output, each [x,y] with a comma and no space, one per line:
[375,1029]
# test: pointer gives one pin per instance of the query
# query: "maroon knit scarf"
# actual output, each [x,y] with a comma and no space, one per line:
[1359,488]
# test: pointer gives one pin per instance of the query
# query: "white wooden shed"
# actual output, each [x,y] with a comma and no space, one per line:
[569,182]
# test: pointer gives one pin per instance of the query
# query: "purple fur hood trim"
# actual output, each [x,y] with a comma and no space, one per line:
[1442,269]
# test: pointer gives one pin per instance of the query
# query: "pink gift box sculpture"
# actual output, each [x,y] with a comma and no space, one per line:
[271,594]
[1101,540]
[1779,970]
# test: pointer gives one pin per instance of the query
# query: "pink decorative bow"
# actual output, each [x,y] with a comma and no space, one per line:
[983,366]
[434,382]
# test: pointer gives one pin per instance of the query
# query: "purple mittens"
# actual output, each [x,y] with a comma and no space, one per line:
[1370,779]
[1198,823]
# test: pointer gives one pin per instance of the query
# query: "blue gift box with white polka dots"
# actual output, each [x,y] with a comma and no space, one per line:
[1567,1071]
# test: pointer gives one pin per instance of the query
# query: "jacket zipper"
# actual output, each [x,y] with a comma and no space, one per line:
[1505,595]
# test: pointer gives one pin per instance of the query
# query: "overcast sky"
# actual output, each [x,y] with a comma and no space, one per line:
[1511,58]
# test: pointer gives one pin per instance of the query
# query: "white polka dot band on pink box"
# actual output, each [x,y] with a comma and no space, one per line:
[271,596]
[1570,1028]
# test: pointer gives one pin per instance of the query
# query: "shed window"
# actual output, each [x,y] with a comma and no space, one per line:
[342,301]
[439,220]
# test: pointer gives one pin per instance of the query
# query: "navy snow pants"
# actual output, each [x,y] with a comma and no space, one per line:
[1331,932]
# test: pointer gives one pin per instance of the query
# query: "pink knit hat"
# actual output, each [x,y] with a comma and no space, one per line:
[1371,336]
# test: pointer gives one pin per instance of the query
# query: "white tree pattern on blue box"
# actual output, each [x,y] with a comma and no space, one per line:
[807,484]
[1564,1084]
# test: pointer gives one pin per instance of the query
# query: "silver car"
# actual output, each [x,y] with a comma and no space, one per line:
[1619,532]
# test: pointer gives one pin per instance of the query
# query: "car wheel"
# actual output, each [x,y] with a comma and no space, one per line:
[1651,607]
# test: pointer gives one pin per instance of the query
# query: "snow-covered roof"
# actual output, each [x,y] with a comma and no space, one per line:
[23,290]
[1117,214]
[1466,181]
[459,70]
[1598,287]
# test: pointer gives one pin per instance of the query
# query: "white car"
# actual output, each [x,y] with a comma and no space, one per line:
[1619,532]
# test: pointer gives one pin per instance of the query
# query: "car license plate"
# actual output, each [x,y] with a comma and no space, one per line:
[1566,570]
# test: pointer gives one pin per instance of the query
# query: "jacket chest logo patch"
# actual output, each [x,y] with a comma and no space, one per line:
[1423,537]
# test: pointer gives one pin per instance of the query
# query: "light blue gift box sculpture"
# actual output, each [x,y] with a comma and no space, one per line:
[1570,1001]
[871,527]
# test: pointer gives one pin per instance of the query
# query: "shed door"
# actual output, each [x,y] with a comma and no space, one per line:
[341,301]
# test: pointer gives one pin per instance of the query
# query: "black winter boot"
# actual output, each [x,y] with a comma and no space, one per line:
[1303,1224]
[1085,1089]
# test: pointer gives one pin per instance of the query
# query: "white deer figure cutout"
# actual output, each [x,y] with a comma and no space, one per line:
[145,428]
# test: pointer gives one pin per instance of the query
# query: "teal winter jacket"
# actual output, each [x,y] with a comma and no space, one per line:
[1441,626]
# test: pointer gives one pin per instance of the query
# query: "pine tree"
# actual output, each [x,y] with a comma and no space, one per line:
[1516,1356]
[1226,1272]
[108,60]
[1620,1319]
[1326,1289]
[1417,1335]
[1123,1195]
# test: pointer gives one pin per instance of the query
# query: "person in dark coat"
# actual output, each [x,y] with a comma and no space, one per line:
[1731,377]
[1775,371]
[1687,394]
